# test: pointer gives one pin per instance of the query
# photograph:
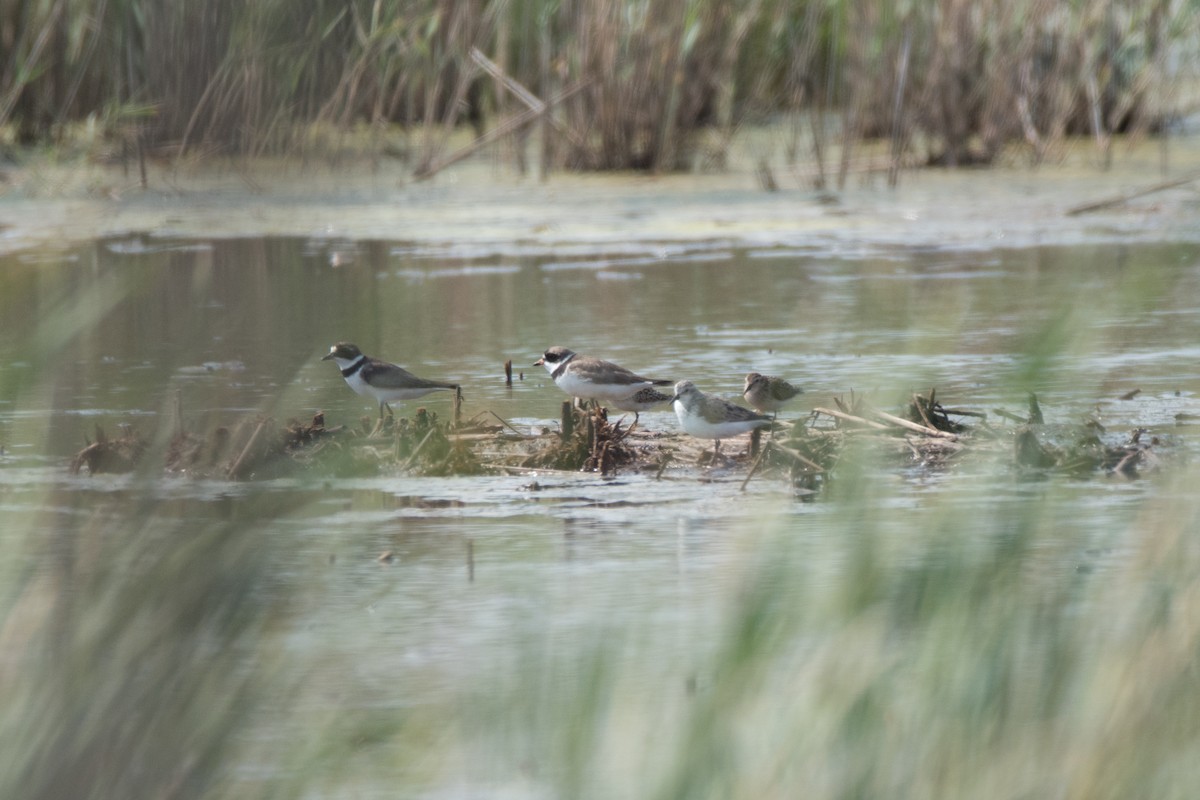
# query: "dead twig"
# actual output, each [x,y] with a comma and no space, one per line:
[501,130]
[1008,415]
[790,453]
[417,450]
[962,412]
[921,408]
[505,423]
[1120,199]
[913,426]
[850,418]
[754,466]
[236,467]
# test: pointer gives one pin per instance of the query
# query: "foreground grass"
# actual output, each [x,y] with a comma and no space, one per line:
[983,646]
[939,653]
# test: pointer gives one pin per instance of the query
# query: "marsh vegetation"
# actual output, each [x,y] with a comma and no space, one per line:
[657,85]
[219,581]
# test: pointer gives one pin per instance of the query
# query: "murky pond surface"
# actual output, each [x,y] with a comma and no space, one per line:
[113,332]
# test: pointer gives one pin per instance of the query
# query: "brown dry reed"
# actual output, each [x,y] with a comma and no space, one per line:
[653,85]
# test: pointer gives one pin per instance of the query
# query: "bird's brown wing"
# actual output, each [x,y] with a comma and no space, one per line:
[717,410]
[598,371]
[390,376]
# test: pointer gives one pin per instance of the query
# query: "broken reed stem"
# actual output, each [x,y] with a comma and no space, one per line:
[508,373]
[850,418]
[913,426]
[502,129]
[754,466]
[798,457]
[1119,469]
[417,451]
[1011,417]
[531,101]
[921,408]
[505,423]
[961,412]
[236,468]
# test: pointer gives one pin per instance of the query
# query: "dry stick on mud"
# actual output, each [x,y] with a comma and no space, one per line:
[796,455]
[850,418]
[507,424]
[754,467]
[913,426]
[237,465]
[413,456]
[921,408]
[1100,205]
[503,129]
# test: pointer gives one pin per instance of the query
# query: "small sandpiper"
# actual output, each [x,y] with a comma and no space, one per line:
[380,380]
[768,392]
[707,416]
[602,381]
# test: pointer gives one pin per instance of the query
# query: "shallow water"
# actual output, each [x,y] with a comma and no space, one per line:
[113,332]
[118,331]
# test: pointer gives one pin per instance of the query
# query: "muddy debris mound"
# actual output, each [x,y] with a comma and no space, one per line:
[587,442]
[106,454]
[807,453]
[247,449]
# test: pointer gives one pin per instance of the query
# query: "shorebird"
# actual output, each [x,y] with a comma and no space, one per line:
[384,382]
[642,400]
[768,392]
[603,381]
[707,416]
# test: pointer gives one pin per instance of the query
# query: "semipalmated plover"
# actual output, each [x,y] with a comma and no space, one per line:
[641,400]
[602,381]
[768,392]
[380,380]
[707,416]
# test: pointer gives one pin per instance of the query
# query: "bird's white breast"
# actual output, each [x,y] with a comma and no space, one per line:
[571,383]
[356,383]
[696,425]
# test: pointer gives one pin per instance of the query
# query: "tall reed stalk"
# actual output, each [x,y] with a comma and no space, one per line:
[950,82]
